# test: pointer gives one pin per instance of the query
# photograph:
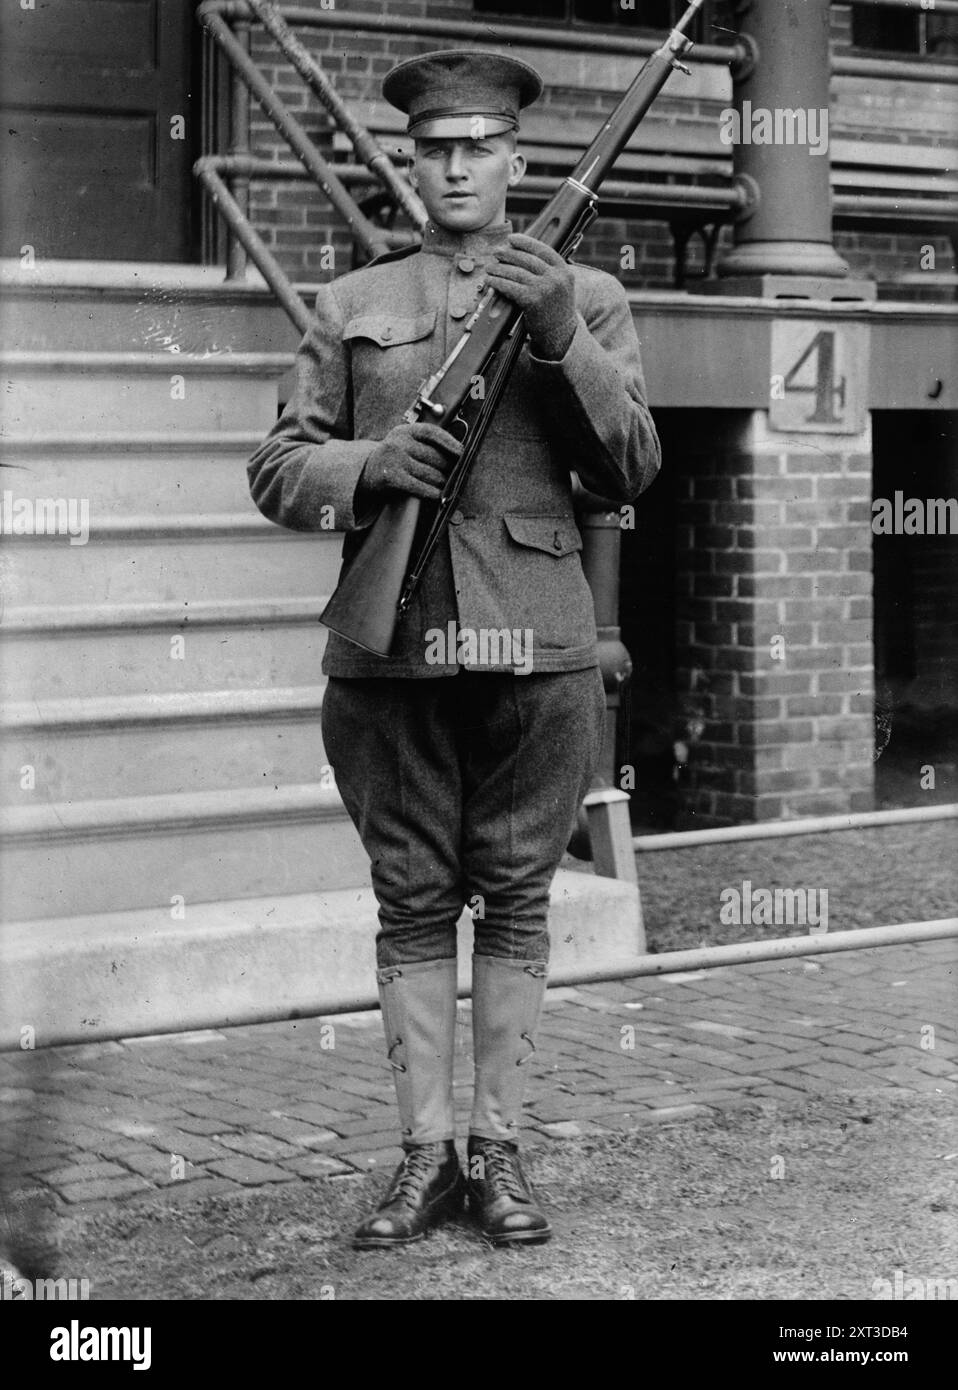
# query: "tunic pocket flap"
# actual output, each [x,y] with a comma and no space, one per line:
[559,535]
[388,330]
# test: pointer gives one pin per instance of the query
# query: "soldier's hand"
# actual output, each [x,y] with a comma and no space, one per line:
[541,284]
[412,459]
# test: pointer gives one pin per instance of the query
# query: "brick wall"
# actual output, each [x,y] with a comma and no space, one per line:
[581,90]
[685,697]
[773,542]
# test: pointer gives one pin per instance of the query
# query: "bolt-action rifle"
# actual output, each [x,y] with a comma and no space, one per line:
[382,578]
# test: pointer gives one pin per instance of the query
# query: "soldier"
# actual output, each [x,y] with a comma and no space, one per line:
[462,763]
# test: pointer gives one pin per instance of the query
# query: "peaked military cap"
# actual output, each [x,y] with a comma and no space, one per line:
[461,93]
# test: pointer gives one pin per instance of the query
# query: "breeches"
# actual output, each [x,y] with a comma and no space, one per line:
[464,790]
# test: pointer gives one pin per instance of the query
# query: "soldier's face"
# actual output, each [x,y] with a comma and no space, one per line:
[463,183]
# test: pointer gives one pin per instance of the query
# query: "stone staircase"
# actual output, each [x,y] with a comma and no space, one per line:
[174,850]
[163,678]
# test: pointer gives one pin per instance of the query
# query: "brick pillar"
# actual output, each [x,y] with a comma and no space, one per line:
[774,542]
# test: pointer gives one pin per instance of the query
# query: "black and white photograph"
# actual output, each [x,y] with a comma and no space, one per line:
[479,668]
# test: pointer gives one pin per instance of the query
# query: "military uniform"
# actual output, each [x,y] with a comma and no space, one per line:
[463,776]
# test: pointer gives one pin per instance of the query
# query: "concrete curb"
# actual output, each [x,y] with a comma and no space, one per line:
[126,973]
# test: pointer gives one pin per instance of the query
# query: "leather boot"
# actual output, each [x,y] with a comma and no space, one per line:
[418,1002]
[426,1188]
[506,1002]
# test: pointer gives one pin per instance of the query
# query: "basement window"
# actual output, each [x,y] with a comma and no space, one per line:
[885,29]
[653,16]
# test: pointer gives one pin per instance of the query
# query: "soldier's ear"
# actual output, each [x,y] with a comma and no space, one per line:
[517,168]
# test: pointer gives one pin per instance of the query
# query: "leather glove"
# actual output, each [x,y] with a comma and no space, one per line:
[412,459]
[541,284]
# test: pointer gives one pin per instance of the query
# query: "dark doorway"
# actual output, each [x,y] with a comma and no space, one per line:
[90,96]
[915,550]
[649,725]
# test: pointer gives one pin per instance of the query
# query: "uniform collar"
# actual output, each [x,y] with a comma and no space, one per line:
[439,241]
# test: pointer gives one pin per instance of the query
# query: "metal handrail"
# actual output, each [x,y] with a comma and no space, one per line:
[247,1013]
[535,36]
[372,155]
[719,203]
[208,169]
[334,180]
[292,131]
[581,41]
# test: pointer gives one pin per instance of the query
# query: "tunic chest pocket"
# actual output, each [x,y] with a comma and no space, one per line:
[389,330]
[556,535]
[390,355]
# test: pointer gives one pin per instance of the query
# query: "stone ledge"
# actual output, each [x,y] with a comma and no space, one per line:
[252,960]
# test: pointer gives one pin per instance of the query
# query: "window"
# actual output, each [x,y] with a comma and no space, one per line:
[643,14]
[653,15]
[883,29]
[554,10]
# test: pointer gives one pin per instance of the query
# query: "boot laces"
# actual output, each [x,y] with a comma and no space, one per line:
[414,1172]
[502,1170]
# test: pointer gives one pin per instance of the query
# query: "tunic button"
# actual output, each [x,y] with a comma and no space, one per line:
[458,313]
[387,334]
[557,544]
[457,518]
[467,265]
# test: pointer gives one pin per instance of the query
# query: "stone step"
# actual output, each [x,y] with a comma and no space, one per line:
[142,305]
[184,558]
[89,857]
[82,978]
[163,391]
[141,473]
[128,649]
[146,745]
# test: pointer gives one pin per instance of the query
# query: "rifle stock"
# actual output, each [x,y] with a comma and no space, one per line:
[360,609]
[381,578]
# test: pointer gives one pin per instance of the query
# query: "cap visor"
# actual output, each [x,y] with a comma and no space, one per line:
[460,127]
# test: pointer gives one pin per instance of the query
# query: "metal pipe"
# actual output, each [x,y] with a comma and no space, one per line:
[369,150]
[781,829]
[872,205]
[581,40]
[729,200]
[671,195]
[667,963]
[208,141]
[574,40]
[891,68]
[239,147]
[789,232]
[242,230]
[294,134]
[750,952]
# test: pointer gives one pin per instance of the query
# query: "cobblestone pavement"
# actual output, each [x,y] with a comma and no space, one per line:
[184,1116]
